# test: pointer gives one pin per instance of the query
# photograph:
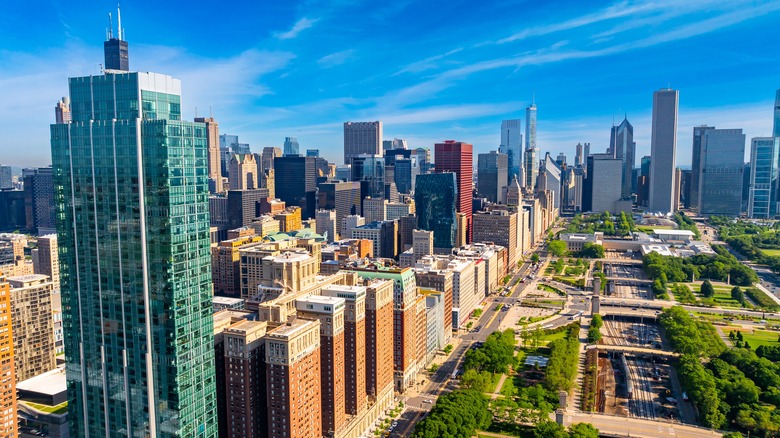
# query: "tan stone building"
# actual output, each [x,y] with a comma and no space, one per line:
[8,422]
[243,172]
[46,261]
[33,325]
[226,265]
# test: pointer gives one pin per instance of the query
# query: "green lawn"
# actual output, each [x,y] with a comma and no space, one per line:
[546,339]
[59,409]
[771,252]
[761,337]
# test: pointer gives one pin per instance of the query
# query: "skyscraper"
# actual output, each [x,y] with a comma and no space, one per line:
[435,199]
[458,157]
[531,165]
[131,179]
[215,164]
[492,169]
[625,150]
[62,111]
[663,150]
[39,207]
[720,172]
[291,147]
[512,146]
[578,161]
[33,326]
[698,135]
[296,183]
[115,49]
[362,138]
[601,192]
[267,159]
[762,196]
[8,426]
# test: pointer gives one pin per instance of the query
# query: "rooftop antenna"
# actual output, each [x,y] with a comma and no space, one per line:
[196,112]
[110,27]
[119,21]
[211,114]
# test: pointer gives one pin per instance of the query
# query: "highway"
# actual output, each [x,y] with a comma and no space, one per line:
[634,427]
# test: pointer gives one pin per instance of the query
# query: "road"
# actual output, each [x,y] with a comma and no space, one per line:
[635,427]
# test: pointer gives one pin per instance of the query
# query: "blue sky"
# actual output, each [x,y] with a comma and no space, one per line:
[430,70]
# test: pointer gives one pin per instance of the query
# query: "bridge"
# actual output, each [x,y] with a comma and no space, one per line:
[624,280]
[639,351]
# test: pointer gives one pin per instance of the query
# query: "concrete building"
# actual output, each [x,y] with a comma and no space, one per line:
[330,312]
[265,225]
[422,244]
[379,340]
[33,326]
[397,210]
[349,223]
[242,206]
[492,175]
[226,265]
[499,227]
[384,234]
[46,259]
[344,197]
[721,172]
[362,138]
[430,277]
[214,161]
[327,224]
[268,156]
[8,423]
[292,357]
[762,197]
[289,219]
[375,209]
[243,172]
[465,296]
[600,193]
[458,158]
[663,150]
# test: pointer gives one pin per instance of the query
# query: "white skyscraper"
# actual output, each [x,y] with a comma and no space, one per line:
[512,146]
[663,150]
[531,165]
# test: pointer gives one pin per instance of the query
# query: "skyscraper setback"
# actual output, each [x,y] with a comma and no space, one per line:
[131,179]
[663,150]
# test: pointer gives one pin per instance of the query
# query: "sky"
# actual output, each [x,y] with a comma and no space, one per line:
[429,70]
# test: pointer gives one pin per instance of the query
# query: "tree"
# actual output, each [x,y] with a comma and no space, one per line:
[737,295]
[591,250]
[550,429]
[478,381]
[557,248]
[706,289]
[583,430]
[534,258]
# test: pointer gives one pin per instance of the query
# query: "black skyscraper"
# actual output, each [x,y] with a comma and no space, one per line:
[296,182]
[115,49]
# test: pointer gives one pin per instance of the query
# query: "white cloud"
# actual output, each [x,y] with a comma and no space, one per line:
[299,26]
[336,58]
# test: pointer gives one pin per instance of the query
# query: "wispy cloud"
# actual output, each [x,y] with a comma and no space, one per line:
[427,63]
[299,26]
[336,58]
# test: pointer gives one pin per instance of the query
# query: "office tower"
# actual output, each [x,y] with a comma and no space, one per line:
[243,172]
[214,162]
[396,143]
[8,426]
[422,243]
[397,210]
[245,388]
[625,150]
[351,222]
[374,209]
[33,327]
[39,207]
[720,172]
[330,312]
[776,129]
[464,290]
[268,182]
[492,171]
[435,199]
[663,150]
[242,206]
[231,143]
[406,170]
[531,151]
[296,183]
[499,227]
[354,344]
[362,138]
[458,157]
[129,245]
[369,170]
[585,153]
[550,178]
[62,111]
[267,158]
[512,147]
[685,188]
[6,177]
[292,356]
[312,153]
[578,161]
[225,264]
[46,259]
[601,192]
[383,234]
[678,189]
[762,198]
[328,224]
[379,340]
[344,197]
[115,49]
[291,147]
[696,156]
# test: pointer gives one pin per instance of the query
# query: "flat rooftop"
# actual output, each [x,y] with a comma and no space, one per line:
[49,383]
[662,232]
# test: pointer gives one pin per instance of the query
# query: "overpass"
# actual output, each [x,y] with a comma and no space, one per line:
[628,280]
[619,261]
[629,314]
[639,351]
[610,425]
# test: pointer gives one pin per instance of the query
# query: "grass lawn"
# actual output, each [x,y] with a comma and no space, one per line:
[761,337]
[59,409]
[546,339]
[547,288]
[771,252]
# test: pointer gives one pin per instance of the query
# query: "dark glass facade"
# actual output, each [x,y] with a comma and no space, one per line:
[435,199]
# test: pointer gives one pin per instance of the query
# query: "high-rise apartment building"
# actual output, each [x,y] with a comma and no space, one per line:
[458,158]
[512,147]
[62,110]
[625,150]
[243,172]
[492,171]
[720,172]
[762,197]
[214,161]
[8,422]
[435,199]
[696,160]
[499,227]
[379,340]
[291,147]
[39,207]
[46,259]
[531,151]
[327,224]
[245,388]
[33,326]
[225,264]
[292,356]
[330,312]
[663,150]
[135,219]
[362,138]
[296,183]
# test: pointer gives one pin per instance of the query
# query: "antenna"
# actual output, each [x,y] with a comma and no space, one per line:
[211,114]
[118,21]
[196,112]
[110,27]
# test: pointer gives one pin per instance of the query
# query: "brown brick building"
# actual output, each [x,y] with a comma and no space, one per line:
[379,338]
[246,414]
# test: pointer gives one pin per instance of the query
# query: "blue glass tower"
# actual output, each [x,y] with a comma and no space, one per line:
[435,195]
[131,189]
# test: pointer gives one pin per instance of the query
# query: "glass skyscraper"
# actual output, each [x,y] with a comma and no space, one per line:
[762,197]
[720,172]
[435,196]
[131,189]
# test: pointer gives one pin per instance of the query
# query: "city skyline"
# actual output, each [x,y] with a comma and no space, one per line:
[304,74]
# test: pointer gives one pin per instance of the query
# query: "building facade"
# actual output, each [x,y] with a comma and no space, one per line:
[492,175]
[362,138]
[762,197]
[721,172]
[435,199]
[663,150]
[696,159]
[512,147]
[458,157]
[33,325]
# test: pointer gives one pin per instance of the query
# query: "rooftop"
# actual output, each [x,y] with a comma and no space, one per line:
[49,383]
[662,232]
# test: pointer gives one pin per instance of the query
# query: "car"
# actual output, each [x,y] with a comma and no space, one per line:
[395,423]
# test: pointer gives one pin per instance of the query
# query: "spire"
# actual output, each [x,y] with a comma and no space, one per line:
[118,22]
[110,31]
